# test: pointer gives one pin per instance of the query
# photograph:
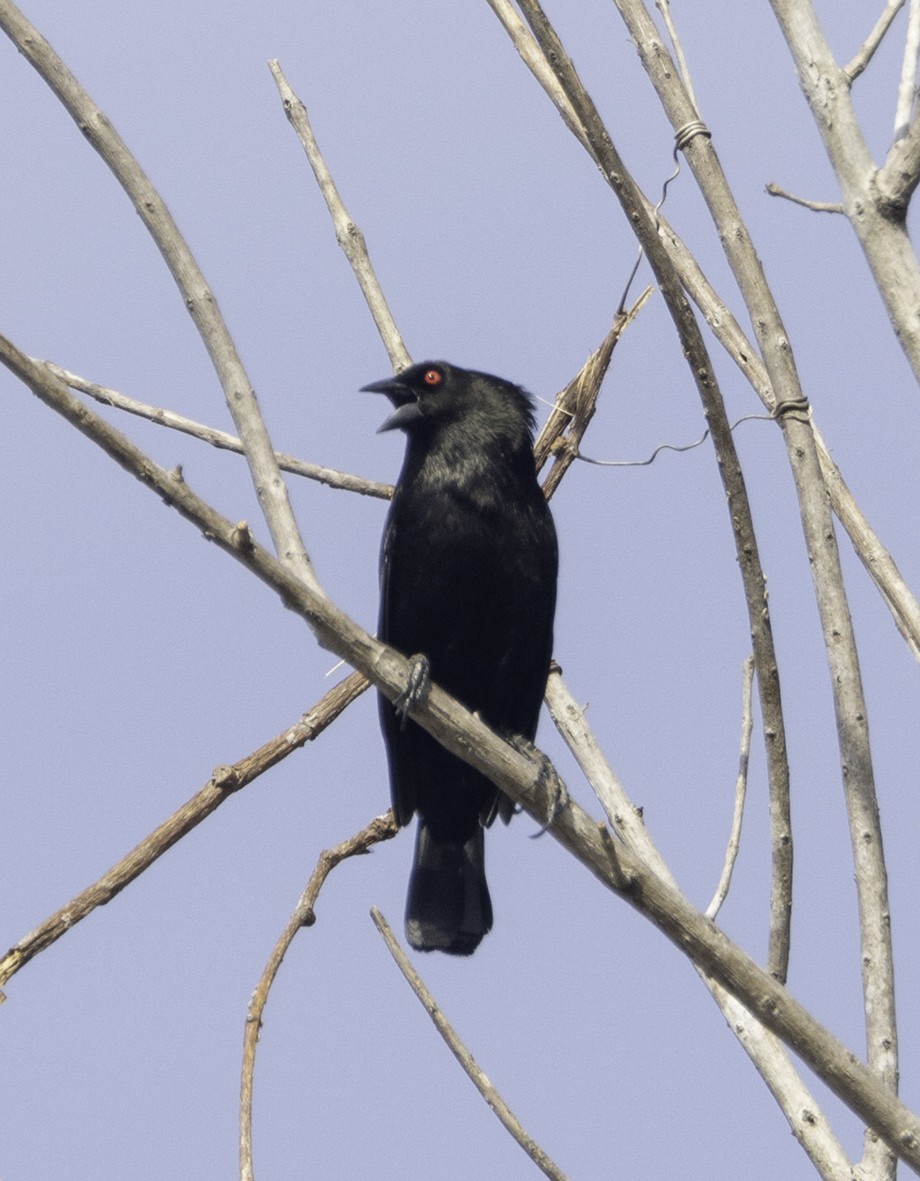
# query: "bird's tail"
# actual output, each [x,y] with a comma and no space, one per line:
[448,908]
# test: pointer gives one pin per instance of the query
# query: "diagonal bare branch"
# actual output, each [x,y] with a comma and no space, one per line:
[347,233]
[477,1076]
[225,781]
[866,51]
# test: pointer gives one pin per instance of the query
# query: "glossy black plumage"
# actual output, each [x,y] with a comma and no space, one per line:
[468,579]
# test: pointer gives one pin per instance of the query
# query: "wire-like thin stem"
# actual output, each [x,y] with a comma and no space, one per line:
[664,8]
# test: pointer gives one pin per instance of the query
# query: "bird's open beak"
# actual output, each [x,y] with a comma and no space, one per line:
[407,407]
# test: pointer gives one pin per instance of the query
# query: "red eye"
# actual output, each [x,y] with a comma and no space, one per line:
[432,377]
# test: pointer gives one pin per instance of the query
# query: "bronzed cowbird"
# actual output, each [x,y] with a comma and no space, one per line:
[468,580]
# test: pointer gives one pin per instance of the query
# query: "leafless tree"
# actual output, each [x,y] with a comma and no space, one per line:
[768,1020]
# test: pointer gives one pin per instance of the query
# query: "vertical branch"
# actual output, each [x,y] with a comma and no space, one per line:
[196,295]
[907,87]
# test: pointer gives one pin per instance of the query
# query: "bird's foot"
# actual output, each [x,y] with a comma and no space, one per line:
[416,690]
[548,781]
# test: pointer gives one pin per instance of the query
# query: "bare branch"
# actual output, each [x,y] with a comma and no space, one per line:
[219,439]
[878,562]
[381,828]
[223,783]
[347,233]
[816,206]
[893,261]
[843,662]
[734,841]
[907,87]
[867,50]
[475,1074]
[196,295]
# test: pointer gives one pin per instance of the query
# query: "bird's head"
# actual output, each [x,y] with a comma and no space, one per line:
[436,393]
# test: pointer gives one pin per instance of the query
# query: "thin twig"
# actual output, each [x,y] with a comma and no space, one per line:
[816,206]
[347,233]
[217,438]
[866,51]
[196,295]
[475,1074]
[381,828]
[664,8]
[744,758]
[223,783]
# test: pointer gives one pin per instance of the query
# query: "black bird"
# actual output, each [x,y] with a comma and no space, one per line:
[467,580]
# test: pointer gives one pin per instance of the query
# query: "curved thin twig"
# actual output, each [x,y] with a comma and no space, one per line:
[381,828]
